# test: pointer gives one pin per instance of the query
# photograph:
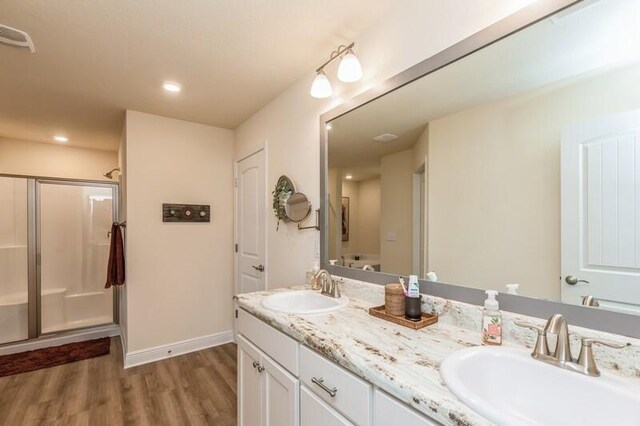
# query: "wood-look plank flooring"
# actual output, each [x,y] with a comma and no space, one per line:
[193,389]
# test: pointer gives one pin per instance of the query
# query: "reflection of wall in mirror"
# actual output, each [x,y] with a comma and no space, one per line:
[501,224]
[364,218]
[396,221]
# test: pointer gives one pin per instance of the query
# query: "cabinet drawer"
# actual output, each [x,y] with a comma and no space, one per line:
[316,412]
[352,395]
[390,411]
[281,348]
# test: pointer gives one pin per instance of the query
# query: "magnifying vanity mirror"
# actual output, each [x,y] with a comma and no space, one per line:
[515,167]
[297,207]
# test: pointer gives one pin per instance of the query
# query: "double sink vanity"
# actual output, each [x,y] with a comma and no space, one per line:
[309,359]
[506,162]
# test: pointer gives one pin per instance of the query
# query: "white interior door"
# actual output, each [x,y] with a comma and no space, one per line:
[601,211]
[250,223]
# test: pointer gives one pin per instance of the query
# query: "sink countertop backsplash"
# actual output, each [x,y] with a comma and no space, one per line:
[623,362]
[404,362]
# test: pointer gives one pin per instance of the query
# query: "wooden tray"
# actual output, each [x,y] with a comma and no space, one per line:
[427,319]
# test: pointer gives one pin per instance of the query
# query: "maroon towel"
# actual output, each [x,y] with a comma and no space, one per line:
[115,268]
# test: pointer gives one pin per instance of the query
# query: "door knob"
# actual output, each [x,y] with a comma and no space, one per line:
[571,280]
[258,268]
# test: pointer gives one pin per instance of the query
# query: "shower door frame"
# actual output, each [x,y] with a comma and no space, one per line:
[34,314]
[37,316]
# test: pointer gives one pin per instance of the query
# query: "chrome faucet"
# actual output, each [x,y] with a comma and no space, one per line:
[561,357]
[326,284]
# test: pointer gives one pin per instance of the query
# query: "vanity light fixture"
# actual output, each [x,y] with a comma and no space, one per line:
[349,71]
[171,86]
[348,177]
[60,138]
[321,87]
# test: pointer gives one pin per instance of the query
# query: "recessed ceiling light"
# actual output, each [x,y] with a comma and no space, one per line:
[172,87]
[60,138]
[348,177]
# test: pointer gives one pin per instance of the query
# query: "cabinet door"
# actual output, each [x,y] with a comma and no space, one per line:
[389,411]
[281,395]
[249,385]
[316,412]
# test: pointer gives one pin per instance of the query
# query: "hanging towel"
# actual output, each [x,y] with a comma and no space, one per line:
[115,268]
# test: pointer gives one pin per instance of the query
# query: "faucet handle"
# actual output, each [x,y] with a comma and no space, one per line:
[588,341]
[586,359]
[541,347]
[530,326]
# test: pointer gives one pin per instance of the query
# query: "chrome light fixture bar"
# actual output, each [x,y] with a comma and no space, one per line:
[349,71]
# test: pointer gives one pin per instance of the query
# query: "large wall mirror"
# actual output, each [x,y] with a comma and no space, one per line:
[517,165]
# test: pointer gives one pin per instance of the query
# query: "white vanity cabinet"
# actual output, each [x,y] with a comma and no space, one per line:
[283,383]
[315,412]
[267,393]
[389,411]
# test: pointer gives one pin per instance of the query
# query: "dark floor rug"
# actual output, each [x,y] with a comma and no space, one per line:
[49,357]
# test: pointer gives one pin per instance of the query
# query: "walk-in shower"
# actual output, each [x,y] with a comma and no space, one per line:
[54,248]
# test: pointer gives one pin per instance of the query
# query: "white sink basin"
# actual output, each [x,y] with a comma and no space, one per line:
[508,387]
[303,302]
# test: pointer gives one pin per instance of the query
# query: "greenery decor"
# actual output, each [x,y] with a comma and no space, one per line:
[283,190]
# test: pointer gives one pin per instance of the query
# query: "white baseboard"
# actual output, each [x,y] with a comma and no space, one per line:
[158,353]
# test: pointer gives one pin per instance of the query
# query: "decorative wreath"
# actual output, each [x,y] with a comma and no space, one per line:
[283,190]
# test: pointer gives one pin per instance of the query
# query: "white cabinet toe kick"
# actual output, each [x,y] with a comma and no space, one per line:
[281,382]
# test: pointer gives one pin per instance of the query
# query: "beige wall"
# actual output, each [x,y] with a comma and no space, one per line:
[180,275]
[364,221]
[368,220]
[420,150]
[42,159]
[289,125]
[396,219]
[502,223]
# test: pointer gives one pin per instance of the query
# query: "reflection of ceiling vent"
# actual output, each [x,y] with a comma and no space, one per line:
[16,37]
[385,138]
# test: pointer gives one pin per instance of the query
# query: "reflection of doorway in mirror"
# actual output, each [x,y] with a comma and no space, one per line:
[601,213]
[345,218]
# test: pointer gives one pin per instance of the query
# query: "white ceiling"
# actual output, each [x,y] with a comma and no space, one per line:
[593,39]
[94,59]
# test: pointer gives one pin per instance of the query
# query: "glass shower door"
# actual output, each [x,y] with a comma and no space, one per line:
[73,236]
[14,314]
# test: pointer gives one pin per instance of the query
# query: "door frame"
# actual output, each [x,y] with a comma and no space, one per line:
[236,275]
[35,339]
[37,228]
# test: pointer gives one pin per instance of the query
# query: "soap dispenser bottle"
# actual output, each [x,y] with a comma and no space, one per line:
[491,320]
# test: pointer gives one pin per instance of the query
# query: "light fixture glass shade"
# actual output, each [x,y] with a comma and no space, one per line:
[349,69]
[321,87]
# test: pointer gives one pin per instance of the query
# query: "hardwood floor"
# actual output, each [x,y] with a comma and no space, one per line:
[193,389]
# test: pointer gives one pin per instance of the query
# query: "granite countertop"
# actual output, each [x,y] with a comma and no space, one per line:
[403,362]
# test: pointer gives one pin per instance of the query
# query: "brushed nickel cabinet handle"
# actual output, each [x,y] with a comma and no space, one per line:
[320,383]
